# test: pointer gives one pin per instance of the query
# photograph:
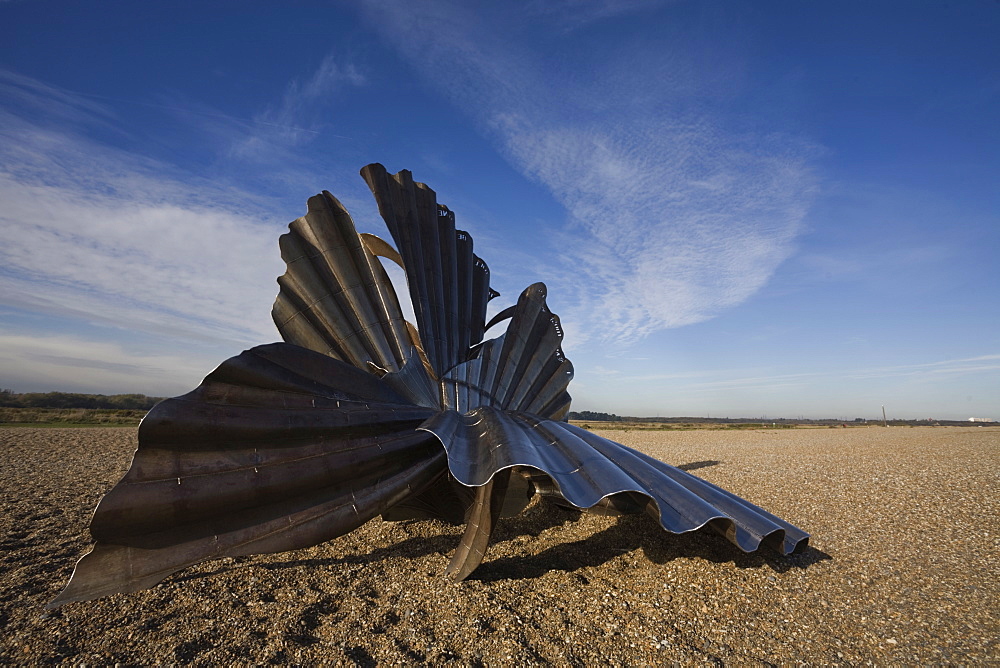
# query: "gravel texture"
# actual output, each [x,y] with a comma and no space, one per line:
[902,568]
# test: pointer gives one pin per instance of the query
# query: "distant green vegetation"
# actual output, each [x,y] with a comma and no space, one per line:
[623,424]
[64,409]
[12,399]
[593,416]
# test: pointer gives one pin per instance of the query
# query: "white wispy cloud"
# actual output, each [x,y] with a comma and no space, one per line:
[297,117]
[966,365]
[675,213]
[733,379]
[97,233]
[100,234]
[41,100]
[573,14]
[75,364]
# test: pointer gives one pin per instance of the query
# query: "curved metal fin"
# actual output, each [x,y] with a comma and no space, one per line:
[380,247]
[587,470]
[482,519]
[421,353]
[335,297]
[448,283]
[502,315]
[279,448]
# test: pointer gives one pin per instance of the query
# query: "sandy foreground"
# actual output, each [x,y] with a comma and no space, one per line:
[902,568]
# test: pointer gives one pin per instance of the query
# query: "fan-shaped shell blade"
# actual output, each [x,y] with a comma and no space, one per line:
[587,469]
[448,284]
[279,448]
[335,297]
[523,370]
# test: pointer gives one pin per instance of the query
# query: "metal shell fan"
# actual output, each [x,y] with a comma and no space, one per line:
[360,413]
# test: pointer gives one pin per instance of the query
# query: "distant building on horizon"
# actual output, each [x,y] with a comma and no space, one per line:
[981,420]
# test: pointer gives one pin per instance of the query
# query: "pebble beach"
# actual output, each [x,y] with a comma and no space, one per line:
[902,568]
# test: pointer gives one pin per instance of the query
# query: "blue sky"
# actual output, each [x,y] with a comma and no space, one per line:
[740,209]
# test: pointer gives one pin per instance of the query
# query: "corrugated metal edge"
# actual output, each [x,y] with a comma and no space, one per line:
[588,469]
[524,369]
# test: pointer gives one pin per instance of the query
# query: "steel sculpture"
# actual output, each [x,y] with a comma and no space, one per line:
[360,413]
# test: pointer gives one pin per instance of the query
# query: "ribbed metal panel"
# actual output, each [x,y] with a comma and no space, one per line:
[335,296]
[587,469]
[448,284]
[524,369]
[279,448]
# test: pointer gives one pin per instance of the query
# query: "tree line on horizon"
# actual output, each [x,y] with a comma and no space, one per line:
[12,399]
[594,416]
[141,402]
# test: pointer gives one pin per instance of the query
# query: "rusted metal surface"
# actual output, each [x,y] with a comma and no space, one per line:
[360,413]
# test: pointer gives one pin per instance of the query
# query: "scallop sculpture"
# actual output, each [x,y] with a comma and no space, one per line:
[360,413]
